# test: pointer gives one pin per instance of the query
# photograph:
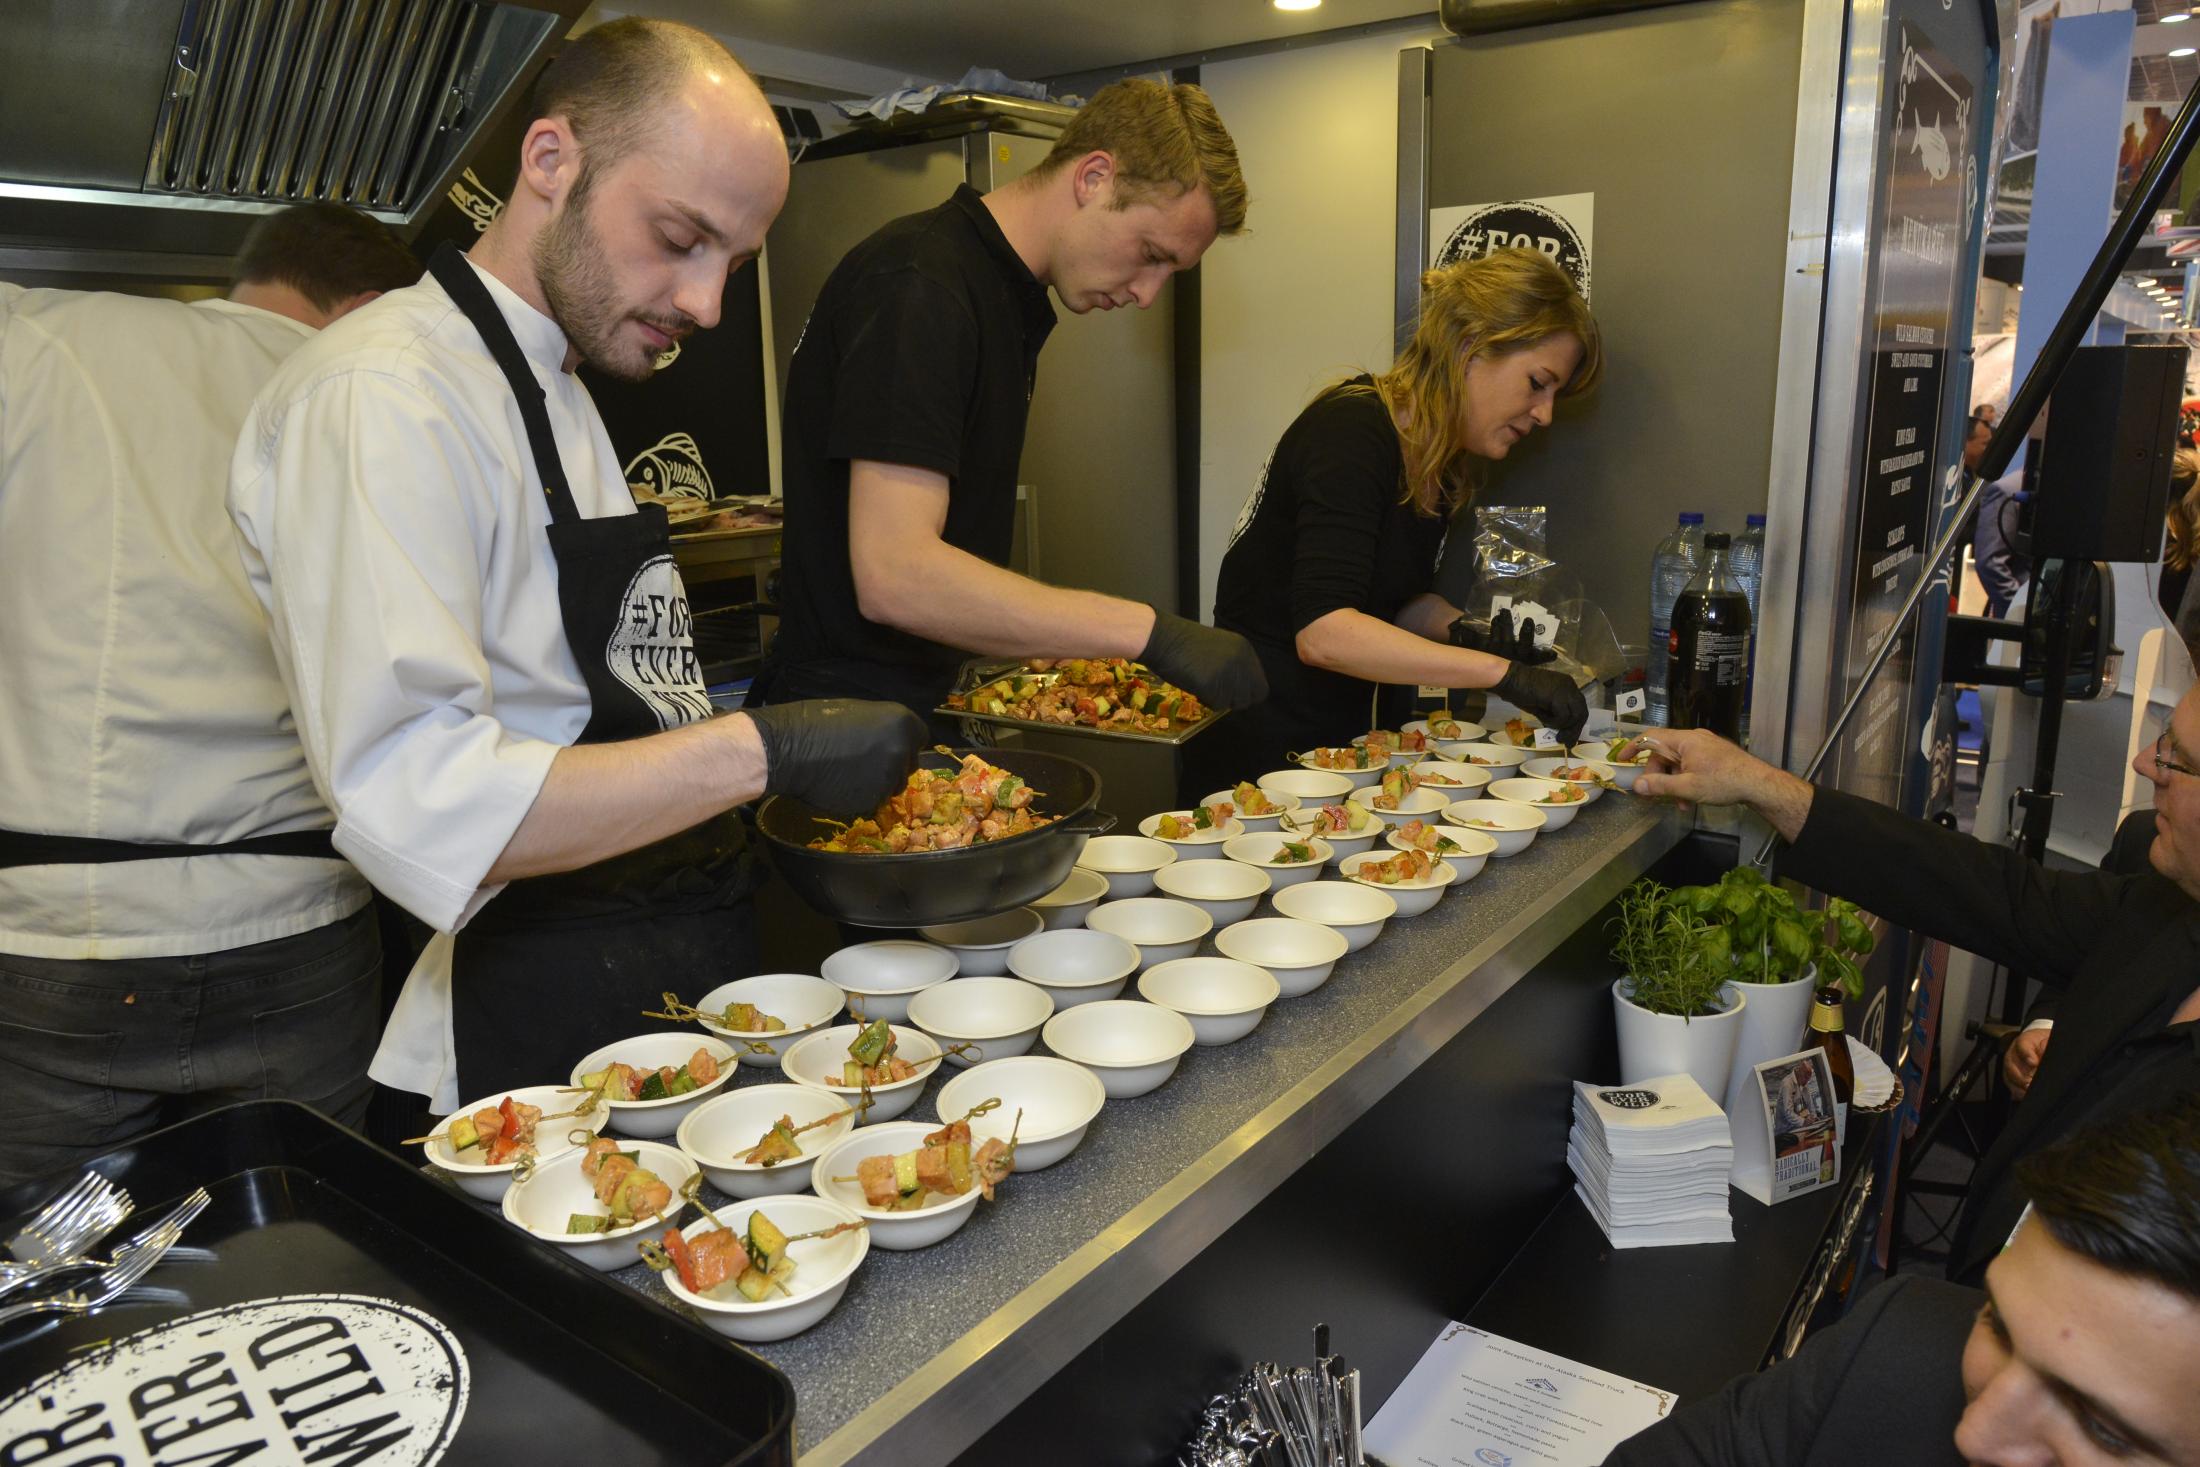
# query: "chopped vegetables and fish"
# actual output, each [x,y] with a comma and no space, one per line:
[943,1165]
[1405,866]
[629,1191]
[747,1018]
[1351,756]
[1444,726]
[1252,800]
[778,1144]
[1387,741]
[1423,836]
[1292,853]
[1186,824]
[504,1132]
[1565,794]
[1111,694]
[1520,730]
[1396,785]
[1344,819]
[872,1060]
[619,1081]
[940,810]
[1613,747]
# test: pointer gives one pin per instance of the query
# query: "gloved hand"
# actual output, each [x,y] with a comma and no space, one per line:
[838,755]
[1550,696]
[1218,667]
[1501,639]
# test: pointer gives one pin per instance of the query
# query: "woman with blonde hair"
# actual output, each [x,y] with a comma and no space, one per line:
[1332,568]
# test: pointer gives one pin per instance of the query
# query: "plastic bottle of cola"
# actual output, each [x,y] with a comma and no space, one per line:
[1672,565]
[1709,647]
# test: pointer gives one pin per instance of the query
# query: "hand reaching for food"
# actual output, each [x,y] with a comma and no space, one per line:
[841,755]
[1696,766]
[1218,666]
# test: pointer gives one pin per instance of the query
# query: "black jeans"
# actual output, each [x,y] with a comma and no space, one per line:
[96,1051]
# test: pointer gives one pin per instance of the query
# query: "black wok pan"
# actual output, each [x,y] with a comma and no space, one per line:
[920,888]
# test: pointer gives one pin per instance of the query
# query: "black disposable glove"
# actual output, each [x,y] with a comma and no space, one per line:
[1217,667]
[838,755]
[1550,696]
[1499,638]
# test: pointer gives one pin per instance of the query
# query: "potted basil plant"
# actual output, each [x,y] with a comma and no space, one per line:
[1676,1004]
[1785,953]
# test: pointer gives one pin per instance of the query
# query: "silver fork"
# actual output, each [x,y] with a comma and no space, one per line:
[119,1278]
[163,1234]
[68,1225]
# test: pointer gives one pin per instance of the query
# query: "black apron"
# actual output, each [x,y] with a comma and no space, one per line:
[555,966]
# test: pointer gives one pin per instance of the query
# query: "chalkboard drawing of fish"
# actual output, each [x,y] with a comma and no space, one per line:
[1930,144]
[672,468]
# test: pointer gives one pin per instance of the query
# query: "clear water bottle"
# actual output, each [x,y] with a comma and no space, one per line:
[1710,646]
[1672,566]
[1748,560]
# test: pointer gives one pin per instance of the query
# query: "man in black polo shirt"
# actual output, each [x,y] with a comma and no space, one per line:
[906,402]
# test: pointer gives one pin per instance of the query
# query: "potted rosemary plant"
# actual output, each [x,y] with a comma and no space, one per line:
[1677,1005]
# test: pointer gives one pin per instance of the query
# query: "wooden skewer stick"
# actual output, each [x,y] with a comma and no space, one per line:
[771,1161]
[586,1107]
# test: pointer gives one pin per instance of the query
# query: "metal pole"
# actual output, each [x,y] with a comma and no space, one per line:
[2031,396]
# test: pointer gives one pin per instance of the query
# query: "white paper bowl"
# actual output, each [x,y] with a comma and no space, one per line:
[1260,851]
[801,1002]
[1067,904]
[1161,928]
[1307,786]
[822,1269]
[1227,891]
[999,1017]
[1058,1100]
[1536,795]
[898,1231]
[1471,850]
[1075,965]
[1413,897]
[1131,1046]
[1495,757]
[1547,768]
[981,945]
[1473,778]
[478,1178]
[1413,805]
[1127,861]
[1221,998]
[1299,954]
[1517,825]
[1355,911]
[1623,775]
[1285,805]
[1373,774]
[824,1052]
[1469,732]
[1201,845]
[881,977]
[717,1135]
[540,1206]
[656,1119]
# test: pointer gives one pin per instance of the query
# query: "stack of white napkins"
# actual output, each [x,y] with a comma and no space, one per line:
[1651,1161]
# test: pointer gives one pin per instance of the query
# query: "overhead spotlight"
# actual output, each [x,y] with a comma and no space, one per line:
[1296,4]
[2178,19]
[2142,281]
[2183,51]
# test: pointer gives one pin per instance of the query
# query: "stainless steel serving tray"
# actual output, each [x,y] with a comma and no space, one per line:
[975,675]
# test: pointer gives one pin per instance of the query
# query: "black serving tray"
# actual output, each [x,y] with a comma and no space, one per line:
[566,1364]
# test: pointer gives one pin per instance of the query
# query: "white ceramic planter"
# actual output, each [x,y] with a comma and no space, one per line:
[1772,1025]
[1651,1045]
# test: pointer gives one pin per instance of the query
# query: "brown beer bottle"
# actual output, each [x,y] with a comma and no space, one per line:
[1826,1033]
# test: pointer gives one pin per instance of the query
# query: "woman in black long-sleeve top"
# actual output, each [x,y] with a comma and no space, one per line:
[1331,570]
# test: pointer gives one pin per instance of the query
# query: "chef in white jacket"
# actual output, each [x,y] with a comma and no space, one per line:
[486,643]
[176,932]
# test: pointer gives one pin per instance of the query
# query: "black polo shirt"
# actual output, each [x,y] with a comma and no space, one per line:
[922,350]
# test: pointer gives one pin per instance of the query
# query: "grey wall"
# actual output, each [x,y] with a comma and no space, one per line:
[1681,122]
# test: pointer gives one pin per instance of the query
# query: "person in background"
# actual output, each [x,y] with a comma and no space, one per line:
[2079,1349]
[1332,569]
[2002,571]
[1988,414]
[2180,548]
[907,398]
[2118,948]
[1976,435]
[486,640]
[176,931]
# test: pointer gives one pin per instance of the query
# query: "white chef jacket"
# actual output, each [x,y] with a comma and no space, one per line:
[139,699]
[393,528]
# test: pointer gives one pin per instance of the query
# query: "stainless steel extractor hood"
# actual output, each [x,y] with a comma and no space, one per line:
[145,135]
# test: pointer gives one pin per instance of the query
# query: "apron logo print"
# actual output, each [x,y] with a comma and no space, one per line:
[652,647]
[673,465]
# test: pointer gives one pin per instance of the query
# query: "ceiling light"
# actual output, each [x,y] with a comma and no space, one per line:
[2183,51]
[2176,19]
[2142,280]
[1296,4]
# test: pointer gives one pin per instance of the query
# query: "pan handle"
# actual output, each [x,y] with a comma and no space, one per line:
[1091,822]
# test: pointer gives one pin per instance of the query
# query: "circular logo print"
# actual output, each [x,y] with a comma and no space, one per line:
[306,1378]
[1518,225]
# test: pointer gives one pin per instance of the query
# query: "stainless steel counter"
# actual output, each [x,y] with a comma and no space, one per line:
[930,1348]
